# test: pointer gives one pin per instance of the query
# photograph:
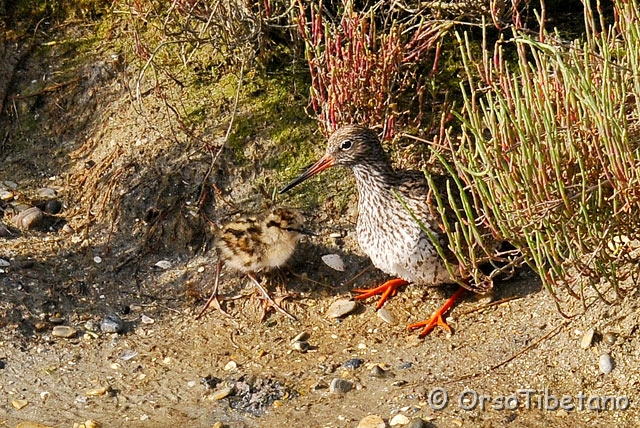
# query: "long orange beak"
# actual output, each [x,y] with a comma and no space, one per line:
[323,163]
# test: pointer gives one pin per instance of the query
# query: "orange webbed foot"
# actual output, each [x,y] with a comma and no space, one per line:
[436,318]
[389,288]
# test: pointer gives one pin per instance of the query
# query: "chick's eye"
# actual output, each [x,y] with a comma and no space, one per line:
[346,145]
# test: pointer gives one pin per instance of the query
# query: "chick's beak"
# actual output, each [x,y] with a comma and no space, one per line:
[323,163]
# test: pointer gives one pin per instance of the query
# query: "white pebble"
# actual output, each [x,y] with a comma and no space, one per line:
[399,419]
[606,363]
[163,264]
[334,261]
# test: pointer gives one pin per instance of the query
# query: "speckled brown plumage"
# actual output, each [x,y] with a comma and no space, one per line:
[386,231]
[251,245]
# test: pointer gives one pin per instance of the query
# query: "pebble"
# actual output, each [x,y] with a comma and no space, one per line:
[353,363]
[146,320]
[163,264]
[221,393]
[29,219]
[301,346]
[6,195]
[112,323]
[372,421]
[4,263]
[10,184]
[341,307]
[302,336]
[606,363]
[587,338]
[231,365]
[53,206]
[417,423]
[97,259]
[47,192]
[97,392]
[63,331]
[340,386]
[19,404]
[386,316]
[334,261]
[399,419]
[67,229]
[609,338]
[91,326]
[406,365]
[128,354]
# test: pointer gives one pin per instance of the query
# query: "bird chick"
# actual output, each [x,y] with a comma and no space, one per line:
[251,245]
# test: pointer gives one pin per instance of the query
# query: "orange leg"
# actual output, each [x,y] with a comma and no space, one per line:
[436,318]
[389,288]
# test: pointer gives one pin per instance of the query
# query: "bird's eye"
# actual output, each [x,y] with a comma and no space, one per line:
[346,145]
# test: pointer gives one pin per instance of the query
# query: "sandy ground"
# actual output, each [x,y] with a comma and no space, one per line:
[86,141]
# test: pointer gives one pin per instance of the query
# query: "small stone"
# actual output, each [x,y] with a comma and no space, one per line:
[218,425]
[372,421]
[231,365]
[163,264]
[221,393]
[334,261]
[128,354]
[146,320]
[335,235]
[19,404]
[4,263]
[562,413]
[301,336]
[353,363]
[63,331]
[97,259]
[46,192]
[406,365]
[341,307]
[587,338]
[6,195]
[53,206]
[97,392]
[112,323]
[11,184]
[399,419]
[417,423]
[606,363]
[609,338]
[30,218]
[68,229]
[340,386]
[301,346]
[385,315]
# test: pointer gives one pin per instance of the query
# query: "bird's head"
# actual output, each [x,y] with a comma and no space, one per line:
[349,146]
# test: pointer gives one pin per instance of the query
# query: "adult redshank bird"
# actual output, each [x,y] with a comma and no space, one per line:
[250,245]
[386,230]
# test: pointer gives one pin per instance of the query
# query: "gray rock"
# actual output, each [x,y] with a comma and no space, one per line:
[417,423]
[606,363]
[341,307]
[386,316]
[112,323]
[340,386]
[64,331]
